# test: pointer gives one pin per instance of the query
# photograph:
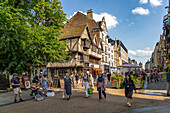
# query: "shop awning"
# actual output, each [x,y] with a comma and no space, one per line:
[97,70]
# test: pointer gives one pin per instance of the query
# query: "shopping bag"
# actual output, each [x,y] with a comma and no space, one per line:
[63,94]
[90,91]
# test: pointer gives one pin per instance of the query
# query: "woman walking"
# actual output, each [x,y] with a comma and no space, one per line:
[129,86]
[77,79]
[86,84]
[45,85]
[67,86]
[101,86]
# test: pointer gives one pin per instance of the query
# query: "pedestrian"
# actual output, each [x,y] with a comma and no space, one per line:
[129,86]
[77,79]
[101,86]
[168,82]
[155,75]
[86,83]
[108,76]
[72,79]
[67,86]
[148,76]
[151,76]
[40,81]
[91,82]
[15,85]
[45,85]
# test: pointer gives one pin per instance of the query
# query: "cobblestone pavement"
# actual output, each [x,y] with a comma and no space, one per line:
[114,103]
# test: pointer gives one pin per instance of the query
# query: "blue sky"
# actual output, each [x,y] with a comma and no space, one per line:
[137,23]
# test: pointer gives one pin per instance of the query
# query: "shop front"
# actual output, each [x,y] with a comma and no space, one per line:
[106,68]
[96,72]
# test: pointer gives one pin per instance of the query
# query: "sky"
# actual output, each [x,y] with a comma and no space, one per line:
[137,23]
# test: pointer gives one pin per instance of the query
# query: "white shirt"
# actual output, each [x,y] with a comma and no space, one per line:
[148,74]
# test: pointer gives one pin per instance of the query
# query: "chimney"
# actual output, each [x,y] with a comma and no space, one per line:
[90,13]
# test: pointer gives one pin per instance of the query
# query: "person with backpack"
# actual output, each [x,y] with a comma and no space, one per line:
[101,86]
[129,86]
[86,84]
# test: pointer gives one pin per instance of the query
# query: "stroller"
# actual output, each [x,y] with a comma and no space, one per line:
[36,92]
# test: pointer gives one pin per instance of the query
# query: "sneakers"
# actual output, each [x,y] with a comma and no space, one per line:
[15,100]
[20,100]
[129,105]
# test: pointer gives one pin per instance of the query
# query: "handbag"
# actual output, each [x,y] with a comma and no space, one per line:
[90,91]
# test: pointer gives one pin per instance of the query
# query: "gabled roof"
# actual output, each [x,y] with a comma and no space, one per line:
[73,31]
[79,19]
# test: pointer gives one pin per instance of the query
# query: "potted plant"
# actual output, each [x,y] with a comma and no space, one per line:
[138,81]
[117,81]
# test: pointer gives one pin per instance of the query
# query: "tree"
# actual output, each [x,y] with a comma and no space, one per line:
[29,31]
[46,19]
[13,33]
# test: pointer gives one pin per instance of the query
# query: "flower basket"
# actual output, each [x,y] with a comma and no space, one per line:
[138,82]
[116,81]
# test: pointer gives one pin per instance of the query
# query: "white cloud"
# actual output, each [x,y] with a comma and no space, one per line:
[111,21]
[143,1]
[132,23]
[140,55]
[147,48]
[155,3]
[140,11]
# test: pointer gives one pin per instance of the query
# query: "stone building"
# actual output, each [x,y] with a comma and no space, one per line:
[147,65]
[104,42]
[111,56]
[141,65]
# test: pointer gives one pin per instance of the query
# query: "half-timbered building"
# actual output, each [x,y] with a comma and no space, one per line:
[84,44]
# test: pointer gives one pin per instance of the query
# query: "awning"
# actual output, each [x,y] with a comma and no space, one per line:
[97,70]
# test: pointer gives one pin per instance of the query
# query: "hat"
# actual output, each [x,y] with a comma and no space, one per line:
[41,72]
[14,74]
[67,74]
[88,72]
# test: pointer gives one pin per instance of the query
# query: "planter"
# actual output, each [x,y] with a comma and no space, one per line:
[138,82]
[115,83]
[138,85]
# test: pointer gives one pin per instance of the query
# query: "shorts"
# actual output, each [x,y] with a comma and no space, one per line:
[17,91]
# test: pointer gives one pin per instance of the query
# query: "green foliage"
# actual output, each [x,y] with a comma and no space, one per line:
[29,31]
[135,80]
[117,83]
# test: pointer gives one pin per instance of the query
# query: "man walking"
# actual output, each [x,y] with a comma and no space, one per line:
[15,85]
[168,82]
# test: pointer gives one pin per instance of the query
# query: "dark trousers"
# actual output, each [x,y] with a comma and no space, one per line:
[100,97]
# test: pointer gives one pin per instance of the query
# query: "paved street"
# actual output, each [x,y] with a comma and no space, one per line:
[114,103]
